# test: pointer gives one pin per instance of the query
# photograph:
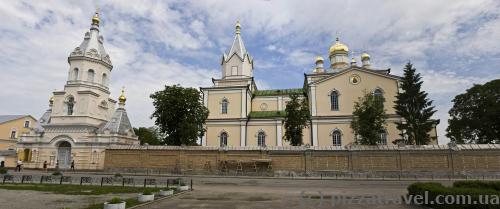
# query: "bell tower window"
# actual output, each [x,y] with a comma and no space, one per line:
[90,76]
[70,105]
[75,74]
[234,70]
[104,79]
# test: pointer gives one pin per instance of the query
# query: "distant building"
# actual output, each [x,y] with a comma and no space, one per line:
[243,115]
[12,127]
[82,120]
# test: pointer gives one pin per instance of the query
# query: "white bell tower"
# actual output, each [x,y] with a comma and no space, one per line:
[85,98]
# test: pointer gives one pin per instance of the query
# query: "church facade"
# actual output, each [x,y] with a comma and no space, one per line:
[242,115]
[82,120]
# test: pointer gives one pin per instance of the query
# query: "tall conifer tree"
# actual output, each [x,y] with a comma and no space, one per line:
[416,109]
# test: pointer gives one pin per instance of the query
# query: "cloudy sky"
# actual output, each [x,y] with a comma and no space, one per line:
[453,44]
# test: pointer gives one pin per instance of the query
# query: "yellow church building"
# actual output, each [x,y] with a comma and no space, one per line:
[242,115]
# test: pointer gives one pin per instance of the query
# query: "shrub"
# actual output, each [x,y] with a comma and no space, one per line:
[494,185]
[182,184]
[115,200]
[436,189]
[57,173]
[147,192]
[4,170]
[118,175]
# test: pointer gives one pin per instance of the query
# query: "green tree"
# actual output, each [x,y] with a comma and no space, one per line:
[149,135]
[296,119]
[368,119]
[475,115]
[416,109]
[179,114]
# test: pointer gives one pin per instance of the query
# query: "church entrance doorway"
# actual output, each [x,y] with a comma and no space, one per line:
[64,154]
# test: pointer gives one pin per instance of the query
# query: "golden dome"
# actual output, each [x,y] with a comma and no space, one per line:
[122,97]
[95,18]
[319,58]
[365,56]
[338,47]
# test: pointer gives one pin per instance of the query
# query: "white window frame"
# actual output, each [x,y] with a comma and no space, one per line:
[261,137]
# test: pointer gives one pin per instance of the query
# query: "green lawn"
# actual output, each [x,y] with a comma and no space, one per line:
[76,189]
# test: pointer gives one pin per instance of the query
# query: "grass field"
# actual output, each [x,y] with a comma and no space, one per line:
[76,189]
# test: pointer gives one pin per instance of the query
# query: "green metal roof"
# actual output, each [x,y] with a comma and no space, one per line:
[267,114]
[275,92]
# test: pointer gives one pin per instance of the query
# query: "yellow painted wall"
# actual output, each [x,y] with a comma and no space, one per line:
[18,125]
[214,104]
[271,102]
[350,93]
[213,133]
[269,129]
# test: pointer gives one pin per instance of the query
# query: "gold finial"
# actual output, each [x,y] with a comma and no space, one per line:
[238,27]
[95,18]
[122,97]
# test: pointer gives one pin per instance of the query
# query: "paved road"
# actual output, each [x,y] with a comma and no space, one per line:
[234,193]
[246,193]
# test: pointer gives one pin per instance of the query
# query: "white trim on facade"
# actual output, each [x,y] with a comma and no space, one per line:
[279,141]
[242,136]
[313,100]
[314,134]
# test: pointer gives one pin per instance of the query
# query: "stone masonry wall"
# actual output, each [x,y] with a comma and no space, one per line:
[184,160]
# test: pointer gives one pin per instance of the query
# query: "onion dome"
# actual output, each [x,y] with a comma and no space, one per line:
[122,97]
[338,47]
[365,56]
[319,59]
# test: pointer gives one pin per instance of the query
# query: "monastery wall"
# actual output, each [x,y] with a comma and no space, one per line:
[437,159]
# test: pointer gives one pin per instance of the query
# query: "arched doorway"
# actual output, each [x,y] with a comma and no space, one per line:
[64,154]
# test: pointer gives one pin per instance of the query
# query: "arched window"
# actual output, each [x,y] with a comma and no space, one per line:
[224,104]
[379,95]
[383,137]
[337,138]
[90,76]
[104,79]
[261,139]
[75,74]
[334,100]
[70,105]
[223,139]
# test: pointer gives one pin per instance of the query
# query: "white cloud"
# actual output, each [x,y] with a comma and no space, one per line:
[153,43]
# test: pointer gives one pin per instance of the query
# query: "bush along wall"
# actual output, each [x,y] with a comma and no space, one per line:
[462,195]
